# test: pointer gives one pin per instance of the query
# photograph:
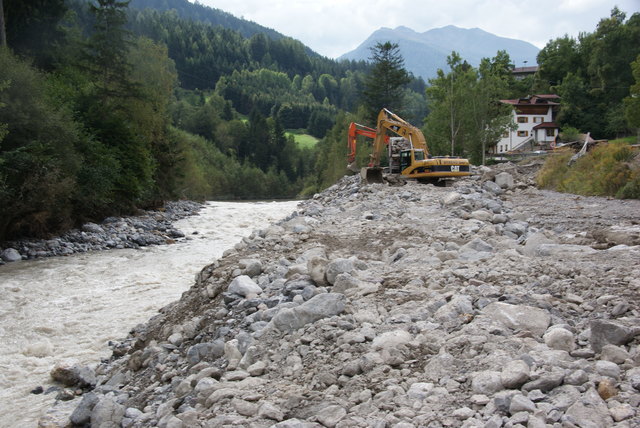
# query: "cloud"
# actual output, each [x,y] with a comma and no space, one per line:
[334,27]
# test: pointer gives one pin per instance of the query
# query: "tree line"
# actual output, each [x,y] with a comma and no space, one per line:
[105,108]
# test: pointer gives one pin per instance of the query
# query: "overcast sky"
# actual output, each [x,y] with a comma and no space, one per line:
[335,27]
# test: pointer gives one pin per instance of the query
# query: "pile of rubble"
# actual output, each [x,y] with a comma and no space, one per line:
[381,306]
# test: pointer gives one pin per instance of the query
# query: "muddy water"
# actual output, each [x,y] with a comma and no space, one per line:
[71,307]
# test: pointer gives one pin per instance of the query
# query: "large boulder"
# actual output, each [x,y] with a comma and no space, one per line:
[604,332]
[10,255]
[519,317]
[504,180]
[318,307]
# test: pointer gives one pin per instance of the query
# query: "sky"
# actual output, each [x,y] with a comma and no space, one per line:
[335,27]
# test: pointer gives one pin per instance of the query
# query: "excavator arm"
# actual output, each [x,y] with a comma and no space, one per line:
[356,129]
[395,124]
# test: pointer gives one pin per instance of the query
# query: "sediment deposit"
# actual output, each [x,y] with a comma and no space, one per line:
[486,304]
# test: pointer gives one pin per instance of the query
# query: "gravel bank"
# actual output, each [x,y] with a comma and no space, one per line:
[486,304]
[151,228]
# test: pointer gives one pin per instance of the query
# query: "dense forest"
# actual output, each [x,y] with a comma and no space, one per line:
[107,106]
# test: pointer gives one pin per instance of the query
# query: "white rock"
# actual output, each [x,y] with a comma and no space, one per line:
[514,374]
[559,338]
[486,382]
[519,317]
[392,339]
[244,286]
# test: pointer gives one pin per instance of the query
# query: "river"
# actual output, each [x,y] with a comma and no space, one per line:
[71,307]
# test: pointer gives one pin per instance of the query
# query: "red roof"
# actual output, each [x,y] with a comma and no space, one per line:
[546,125]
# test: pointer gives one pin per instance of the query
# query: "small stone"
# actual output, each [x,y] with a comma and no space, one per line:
[244,408]
[257,369]
[486,382]
[559,338]
[244,286]
[520,403]
[331,415]
[515,374]
[463,413]
[622,412]
[270,411]
[615,354]
[576,377]
[607,368]
[607,388]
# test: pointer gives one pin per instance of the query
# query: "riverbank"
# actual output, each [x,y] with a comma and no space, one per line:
[153,227]
[489,303]
[56,310]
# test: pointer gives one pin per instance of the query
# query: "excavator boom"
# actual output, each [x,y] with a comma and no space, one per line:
[408,155]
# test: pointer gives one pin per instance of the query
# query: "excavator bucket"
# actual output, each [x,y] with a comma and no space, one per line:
[372,175]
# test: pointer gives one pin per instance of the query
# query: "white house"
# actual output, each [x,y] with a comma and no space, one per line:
[535,117]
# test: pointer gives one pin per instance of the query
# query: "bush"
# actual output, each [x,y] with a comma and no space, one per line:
[607,170]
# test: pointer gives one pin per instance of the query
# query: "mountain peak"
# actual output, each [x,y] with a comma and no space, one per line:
[425,53]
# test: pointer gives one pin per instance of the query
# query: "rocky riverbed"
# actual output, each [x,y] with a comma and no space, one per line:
[150,228]
[485,304]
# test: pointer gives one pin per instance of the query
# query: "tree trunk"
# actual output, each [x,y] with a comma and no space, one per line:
[3,34]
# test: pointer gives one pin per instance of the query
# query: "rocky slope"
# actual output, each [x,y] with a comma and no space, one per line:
[485,304]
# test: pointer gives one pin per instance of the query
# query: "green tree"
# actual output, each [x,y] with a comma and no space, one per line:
[465,114]
[383,85]
[108,50]
[449,107]
[38,159]
[3,31]
[632,102]
[32,28]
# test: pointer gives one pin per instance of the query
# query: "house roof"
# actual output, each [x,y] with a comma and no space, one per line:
[543,99]
[525,70]
[546,125]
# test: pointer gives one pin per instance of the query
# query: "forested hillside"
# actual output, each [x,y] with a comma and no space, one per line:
[106,107]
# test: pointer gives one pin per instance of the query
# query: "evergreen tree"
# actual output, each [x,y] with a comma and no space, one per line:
[32,28]
[384,82]
[108,48]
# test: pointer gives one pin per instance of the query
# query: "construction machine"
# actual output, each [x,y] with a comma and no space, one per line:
[407,152]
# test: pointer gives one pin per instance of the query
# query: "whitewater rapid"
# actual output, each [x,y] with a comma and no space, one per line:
[71,307]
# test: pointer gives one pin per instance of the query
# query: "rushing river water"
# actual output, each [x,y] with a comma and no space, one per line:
[71,307]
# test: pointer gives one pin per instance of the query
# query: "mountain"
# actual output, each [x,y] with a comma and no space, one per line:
[424,53]
[213,16]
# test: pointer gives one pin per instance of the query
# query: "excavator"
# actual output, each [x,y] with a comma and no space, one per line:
[407,152]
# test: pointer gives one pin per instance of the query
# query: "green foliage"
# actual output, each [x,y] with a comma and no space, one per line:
[32,28]
[383,86]
[37,157]
[303,140]
[632,102]
[465,117]
[593,74]
[608,170]
[569,134]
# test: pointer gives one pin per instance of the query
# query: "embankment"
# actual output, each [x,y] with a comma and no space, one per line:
[489,303]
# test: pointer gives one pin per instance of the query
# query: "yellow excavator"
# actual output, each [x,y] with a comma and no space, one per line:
[407,152]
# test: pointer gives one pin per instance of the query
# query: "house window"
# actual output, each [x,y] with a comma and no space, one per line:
[538,119]
[523,133]
[522,119]
[551,132]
